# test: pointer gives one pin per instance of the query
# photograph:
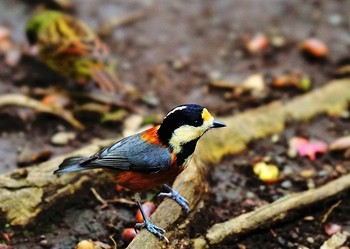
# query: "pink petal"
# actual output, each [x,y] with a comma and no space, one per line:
[308,148]
[332,228]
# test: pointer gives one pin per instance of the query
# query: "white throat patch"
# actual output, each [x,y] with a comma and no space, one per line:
[187,133]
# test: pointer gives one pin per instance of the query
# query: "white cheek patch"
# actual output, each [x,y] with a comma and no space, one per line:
[187,133]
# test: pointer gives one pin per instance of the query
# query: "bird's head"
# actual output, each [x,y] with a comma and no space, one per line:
[185,124]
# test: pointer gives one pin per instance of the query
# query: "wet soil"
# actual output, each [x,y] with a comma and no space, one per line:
[174,53]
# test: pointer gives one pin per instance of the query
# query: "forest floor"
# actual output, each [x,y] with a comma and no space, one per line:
[188,52]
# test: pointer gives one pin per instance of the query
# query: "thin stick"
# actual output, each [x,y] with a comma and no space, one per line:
[325,217]
[118,21]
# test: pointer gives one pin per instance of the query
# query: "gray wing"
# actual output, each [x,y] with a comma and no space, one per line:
[133,153]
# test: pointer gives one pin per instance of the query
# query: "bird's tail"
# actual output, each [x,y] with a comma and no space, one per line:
[107,80]
[73,164]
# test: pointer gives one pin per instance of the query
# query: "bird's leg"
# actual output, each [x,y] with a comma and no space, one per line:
[157,231]
[176,197]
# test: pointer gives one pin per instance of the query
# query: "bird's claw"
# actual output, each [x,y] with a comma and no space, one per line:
[173,194]
[157,231]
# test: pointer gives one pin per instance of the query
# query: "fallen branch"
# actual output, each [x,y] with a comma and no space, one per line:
[271,212]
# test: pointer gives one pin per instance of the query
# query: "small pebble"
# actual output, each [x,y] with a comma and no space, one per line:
[12,57]
[287,170]
[44,242]
[62,138]
[286,184]
[278,41]
[309,218]
[307,173]
[215,75]
[341,169]
[294,235]
[311,184]
[250,195]
[275,138]
[335,19]
[310,240]
[345,114]
[323,173]
[281,241]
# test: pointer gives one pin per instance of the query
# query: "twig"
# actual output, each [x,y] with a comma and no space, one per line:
[117,21]
[114,243]
[106,202]
[272,212]
[122,201]
[25,101]
[325,217]
[98,197]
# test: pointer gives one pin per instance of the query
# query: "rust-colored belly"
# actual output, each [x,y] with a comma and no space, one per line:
[139,182]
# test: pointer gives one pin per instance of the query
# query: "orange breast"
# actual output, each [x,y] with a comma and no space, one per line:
[151,136]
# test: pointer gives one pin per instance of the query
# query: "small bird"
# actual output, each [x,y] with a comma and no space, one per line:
[69,47]
[153,157]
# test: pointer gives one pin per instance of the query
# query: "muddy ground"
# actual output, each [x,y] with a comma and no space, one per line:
[172,55]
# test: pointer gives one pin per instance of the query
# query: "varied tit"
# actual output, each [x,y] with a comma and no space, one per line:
[72,49]
[153,157]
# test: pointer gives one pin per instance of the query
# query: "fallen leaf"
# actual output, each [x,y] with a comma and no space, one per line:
[258,44]
[314,47]
[4,33]
[62,137]
[342,143]
[255,82]
[266,172]
[115,116]
[308,148]
[58,100]
[335,242]
[332,228]
[294,79]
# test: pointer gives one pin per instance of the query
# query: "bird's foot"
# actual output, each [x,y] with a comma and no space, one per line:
[157,231]
[173,194]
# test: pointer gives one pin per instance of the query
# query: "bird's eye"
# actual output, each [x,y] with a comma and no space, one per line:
[196,122]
